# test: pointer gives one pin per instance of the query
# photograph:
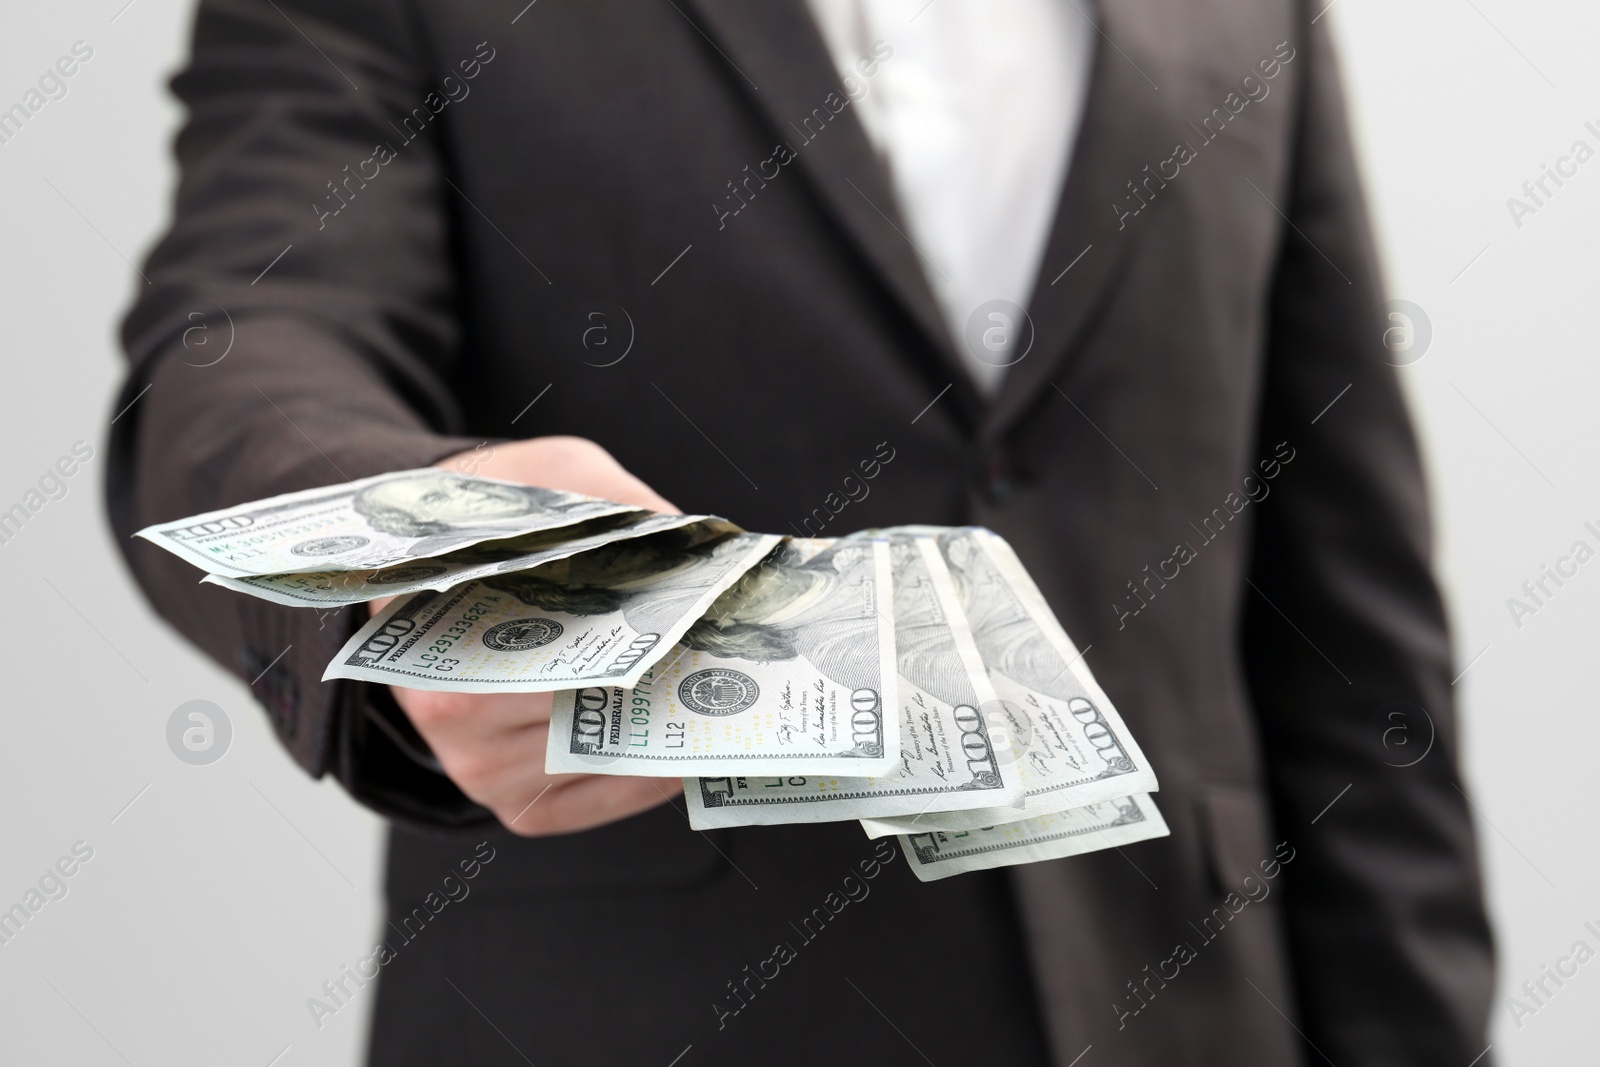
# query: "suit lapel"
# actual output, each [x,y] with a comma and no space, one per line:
[776,56]
[1125,126]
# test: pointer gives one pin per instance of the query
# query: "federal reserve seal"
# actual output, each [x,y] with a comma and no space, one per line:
[327,546]
[519,635]
[718,691]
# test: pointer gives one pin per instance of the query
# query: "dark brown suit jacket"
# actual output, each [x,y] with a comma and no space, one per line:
[404,217]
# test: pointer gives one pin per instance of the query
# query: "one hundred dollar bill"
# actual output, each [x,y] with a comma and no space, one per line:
[790,671]
[1070,745]
[1107,824]
[605,615]
[947,760]
[370,524]
[483,560]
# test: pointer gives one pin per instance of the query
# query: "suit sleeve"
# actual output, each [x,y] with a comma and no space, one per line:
[278,345]
[1347,649]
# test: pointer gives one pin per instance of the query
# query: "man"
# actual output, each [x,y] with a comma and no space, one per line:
[419,213]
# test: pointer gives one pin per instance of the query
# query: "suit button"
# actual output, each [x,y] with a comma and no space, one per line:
[999,479]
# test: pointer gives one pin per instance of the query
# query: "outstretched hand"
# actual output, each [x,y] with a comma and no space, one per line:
[493,745]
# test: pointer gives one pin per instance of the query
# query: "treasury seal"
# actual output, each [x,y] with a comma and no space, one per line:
[718,691]
[519,635]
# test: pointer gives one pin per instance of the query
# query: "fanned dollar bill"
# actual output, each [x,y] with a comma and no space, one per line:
[947,760]
[483,560]
[792,669]
[370,524]
[1070,745]
[605,615]
[913,679]
[1108,824]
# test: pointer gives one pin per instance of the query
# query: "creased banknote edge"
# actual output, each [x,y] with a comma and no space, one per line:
[1135,784]
[759,551]
[337,668]
[297,496]
[967,649]
[558,761]
[888,651]
[152,532]
[1033,601]
[797,810]
[566,522]
[444,583]
[1151,828]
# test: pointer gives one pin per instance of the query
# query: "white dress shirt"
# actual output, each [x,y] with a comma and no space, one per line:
[974,116]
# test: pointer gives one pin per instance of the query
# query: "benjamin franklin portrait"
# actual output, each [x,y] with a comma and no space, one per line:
[443,503]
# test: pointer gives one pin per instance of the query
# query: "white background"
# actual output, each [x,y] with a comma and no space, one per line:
[222,897]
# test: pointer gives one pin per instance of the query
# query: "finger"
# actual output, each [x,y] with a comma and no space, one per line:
[582,802]
[493,747]
[509,779]
[573,464]
[505,775]
[449,720]
[641,495]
